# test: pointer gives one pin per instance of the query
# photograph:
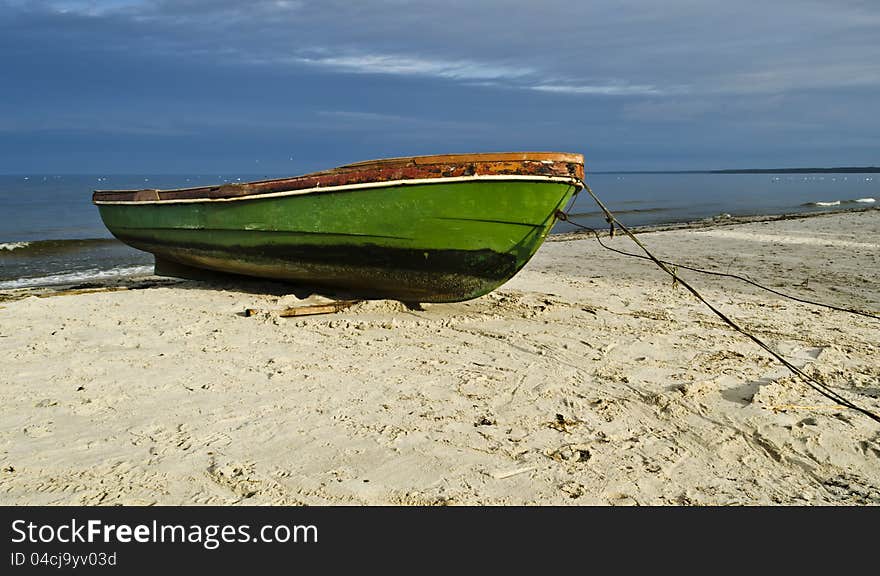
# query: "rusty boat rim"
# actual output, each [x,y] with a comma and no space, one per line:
[558,167]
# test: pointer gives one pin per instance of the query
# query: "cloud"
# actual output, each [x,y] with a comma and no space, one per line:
[292,33]
[601,89]
[470,72]
[415,66]
[490,74]
[639,49]
[91,8]
[625,48]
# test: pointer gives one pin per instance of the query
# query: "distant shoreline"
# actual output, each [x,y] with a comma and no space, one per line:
[837,170]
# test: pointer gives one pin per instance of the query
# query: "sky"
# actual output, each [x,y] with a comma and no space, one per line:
[290,86]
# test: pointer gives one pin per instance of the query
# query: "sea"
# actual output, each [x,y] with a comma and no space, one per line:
[50,233]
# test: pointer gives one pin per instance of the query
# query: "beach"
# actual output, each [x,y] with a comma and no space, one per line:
[590,378]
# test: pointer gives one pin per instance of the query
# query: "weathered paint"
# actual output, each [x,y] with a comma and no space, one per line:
[547,164]
[429,242]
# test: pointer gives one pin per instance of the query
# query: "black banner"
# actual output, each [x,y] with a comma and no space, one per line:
[128,540]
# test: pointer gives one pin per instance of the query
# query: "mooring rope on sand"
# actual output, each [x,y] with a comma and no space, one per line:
[677,265]
[812,382]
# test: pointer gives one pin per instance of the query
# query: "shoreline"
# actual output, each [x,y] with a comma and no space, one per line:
[586,379]
[715,221]
[122,281]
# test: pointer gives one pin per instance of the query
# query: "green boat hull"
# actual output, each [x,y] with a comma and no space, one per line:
[429,242]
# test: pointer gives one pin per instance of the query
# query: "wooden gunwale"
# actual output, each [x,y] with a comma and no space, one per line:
[373,172]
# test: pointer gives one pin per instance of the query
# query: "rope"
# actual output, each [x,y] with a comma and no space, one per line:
[564,217]
[809,380]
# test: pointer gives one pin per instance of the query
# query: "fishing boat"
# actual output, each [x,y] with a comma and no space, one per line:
[440,228]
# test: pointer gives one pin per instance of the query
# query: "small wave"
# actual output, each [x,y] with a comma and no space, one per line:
[13,245]
[839,202]
[74,277]
[46,247]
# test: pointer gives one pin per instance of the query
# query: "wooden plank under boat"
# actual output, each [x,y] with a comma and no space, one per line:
[441,228]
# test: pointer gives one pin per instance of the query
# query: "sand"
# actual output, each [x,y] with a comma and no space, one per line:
[588,379]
